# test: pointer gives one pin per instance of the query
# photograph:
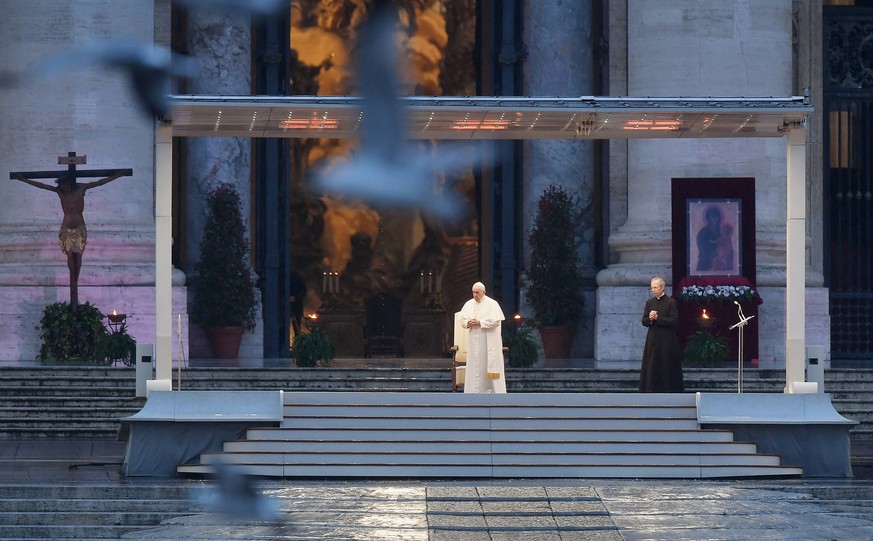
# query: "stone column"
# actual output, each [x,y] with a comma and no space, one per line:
[220,42]
[92,111]
[560,63]
[693,48]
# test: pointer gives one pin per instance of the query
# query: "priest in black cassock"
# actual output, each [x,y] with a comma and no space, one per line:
[661,371]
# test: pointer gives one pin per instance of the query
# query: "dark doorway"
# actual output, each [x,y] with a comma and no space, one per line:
[848,177]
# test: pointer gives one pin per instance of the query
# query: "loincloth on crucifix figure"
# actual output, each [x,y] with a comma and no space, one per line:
[73,239]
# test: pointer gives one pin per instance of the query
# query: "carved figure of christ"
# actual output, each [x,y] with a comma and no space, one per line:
[73,234]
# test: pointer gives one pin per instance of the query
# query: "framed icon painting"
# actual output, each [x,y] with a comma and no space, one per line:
[713,228]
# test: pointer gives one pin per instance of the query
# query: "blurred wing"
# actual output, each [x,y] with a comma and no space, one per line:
[384,121]
[148,67]
[261,8]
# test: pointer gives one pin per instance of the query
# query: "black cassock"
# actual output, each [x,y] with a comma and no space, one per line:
[661,371]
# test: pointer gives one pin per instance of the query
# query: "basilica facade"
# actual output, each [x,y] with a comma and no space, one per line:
[629,189]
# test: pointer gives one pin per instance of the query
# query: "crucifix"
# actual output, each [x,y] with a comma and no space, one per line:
[73,234]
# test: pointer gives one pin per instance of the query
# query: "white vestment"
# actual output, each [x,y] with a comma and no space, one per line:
[484,347]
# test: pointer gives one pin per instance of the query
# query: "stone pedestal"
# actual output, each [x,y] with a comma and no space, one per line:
[620,335]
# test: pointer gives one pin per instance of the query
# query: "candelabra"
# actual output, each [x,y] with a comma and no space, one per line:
[330,289]
[430,288]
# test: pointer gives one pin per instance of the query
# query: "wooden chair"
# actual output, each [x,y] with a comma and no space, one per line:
[383,330]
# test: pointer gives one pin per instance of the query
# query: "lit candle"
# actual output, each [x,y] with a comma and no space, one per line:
[430,282]
[324,283]
[704,315]
[421,281]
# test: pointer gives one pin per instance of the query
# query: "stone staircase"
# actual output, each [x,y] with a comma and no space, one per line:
[542,435]
[89,511]
[87,402]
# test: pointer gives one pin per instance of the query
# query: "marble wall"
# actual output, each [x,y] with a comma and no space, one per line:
[92,111]
[693,48]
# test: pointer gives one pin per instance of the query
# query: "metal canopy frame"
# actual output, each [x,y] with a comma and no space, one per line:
[485,118]
[506,118]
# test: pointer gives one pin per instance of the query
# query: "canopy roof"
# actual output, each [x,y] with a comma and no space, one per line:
[458,118]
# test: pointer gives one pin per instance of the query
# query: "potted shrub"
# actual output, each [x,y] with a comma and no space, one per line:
[705,349]
[555,273]
[69,336]
[312,349]
[521,345]
[224,290]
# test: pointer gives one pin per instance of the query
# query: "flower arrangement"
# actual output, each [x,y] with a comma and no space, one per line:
[724,293]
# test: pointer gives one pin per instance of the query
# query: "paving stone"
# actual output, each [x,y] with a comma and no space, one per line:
[526,507]
[458,492]
[584,521]
[525,536]
[572,493]
[518,493]
[453,535]
[592,535]
[533,522]
[466,521]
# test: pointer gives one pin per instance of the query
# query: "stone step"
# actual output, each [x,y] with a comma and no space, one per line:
[89,511]
[56,402]
[70,391]
[117,517]
[38,411]
[157,491]
[50,431]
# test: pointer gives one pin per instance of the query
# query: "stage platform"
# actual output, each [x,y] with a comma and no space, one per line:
[452,435]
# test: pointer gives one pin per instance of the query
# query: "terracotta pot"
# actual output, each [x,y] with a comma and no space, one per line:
[225,341]
[557,341]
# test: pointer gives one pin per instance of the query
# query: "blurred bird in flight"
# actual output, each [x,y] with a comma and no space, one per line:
[256,8]
[235,495]
[387,170]
[150,68]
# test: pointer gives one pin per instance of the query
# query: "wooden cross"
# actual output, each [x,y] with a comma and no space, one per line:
[73,234]
[71,161]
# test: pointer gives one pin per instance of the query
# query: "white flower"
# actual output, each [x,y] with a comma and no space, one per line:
[716,293]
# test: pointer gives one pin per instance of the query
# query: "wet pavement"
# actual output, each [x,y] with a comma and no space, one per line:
[527,510]
[471,510]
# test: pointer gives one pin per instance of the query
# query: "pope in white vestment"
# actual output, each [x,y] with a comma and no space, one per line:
[483,316]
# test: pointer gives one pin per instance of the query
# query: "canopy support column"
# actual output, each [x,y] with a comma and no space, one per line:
[795,268]
[164,252]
